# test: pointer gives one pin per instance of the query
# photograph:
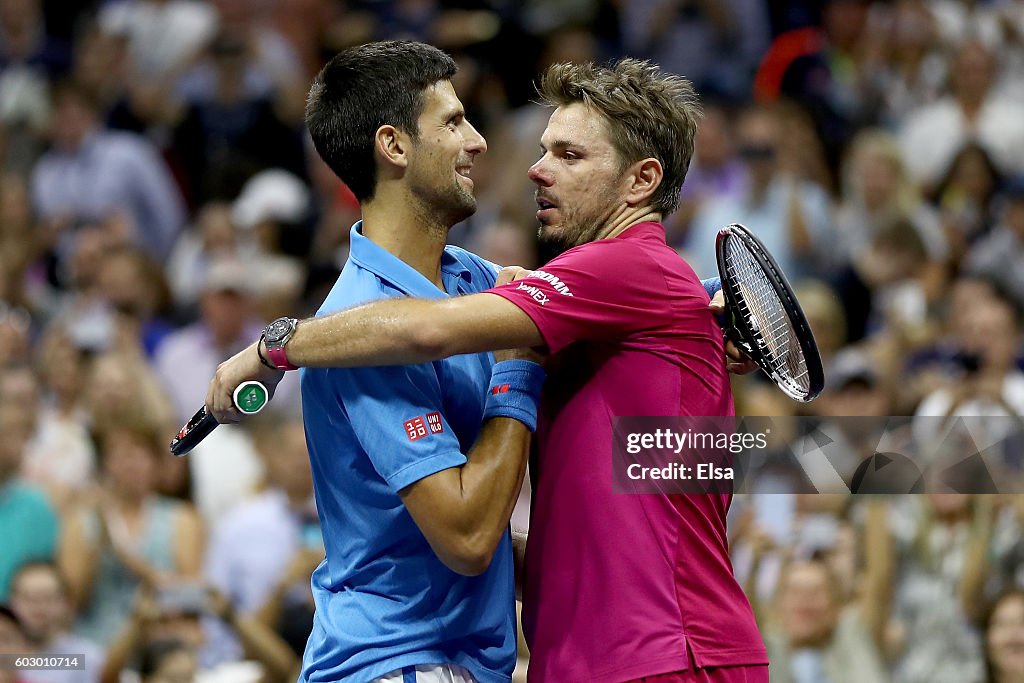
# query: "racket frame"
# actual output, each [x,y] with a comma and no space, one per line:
[738,328]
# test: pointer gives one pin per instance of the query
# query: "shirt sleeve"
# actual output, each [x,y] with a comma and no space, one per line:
[397,415]
[601,290]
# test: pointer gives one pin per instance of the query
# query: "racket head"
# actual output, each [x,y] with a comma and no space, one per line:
[760,301]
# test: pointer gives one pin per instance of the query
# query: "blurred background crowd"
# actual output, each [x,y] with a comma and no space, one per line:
[160,202]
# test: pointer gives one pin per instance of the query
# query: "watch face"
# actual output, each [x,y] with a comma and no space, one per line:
[278,330]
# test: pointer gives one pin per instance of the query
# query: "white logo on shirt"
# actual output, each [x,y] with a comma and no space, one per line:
[559,286]
[538,296]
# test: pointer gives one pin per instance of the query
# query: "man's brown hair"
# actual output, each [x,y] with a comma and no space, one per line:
[649,113]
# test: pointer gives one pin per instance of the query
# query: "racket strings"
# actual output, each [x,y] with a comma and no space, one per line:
[760,305]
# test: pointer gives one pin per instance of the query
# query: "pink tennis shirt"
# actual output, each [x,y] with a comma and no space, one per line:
[619,585]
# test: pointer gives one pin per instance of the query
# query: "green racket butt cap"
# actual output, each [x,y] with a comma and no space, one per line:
[251,397]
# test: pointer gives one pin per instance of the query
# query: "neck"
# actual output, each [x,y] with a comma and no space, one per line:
[1009,677]
[398,222]
[626,219]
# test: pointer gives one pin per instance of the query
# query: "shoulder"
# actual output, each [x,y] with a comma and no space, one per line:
[478,266]
[356,285]
[29,498]
[631,262]
[126,146]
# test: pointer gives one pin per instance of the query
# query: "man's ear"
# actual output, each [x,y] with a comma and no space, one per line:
[644,178]
[392,146]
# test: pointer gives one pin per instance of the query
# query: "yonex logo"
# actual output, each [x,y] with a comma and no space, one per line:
[538,296]
[500,389]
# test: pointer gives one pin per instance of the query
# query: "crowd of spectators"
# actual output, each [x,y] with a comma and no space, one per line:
[160,202]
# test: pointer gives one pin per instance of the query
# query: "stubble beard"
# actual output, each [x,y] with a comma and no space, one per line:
[452,204]
[575,229]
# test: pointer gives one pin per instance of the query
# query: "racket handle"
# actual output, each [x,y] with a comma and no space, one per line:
[249,397]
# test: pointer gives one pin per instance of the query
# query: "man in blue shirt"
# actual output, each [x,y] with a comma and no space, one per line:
[416,468]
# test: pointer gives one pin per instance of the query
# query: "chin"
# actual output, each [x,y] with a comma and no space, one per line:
[550,243]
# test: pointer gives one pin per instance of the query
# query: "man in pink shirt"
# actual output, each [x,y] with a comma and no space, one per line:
[617,587]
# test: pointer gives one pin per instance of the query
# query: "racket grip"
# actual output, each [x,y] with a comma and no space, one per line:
[249,397]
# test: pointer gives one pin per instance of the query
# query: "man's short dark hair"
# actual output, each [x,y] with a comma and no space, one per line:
[362,89]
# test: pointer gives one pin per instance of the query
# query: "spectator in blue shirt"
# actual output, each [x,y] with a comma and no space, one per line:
[92,175]
[27,520]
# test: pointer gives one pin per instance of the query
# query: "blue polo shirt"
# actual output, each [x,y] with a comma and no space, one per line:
[383,599]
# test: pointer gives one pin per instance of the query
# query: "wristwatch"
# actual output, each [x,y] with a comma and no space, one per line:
[275,336]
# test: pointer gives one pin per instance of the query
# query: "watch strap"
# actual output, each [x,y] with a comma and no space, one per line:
[279,358]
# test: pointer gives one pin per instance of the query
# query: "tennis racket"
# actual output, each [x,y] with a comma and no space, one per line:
[764,318]
[249,398]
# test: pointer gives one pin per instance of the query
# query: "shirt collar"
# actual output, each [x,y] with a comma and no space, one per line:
[647,228]
[371,256]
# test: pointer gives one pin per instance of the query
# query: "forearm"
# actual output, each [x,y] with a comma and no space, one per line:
[147,574]
[465,511]
[269,613]
[264,645]
[408,331]
[77,560]
[493,477]
[976,563]
[121,648]
[878,554]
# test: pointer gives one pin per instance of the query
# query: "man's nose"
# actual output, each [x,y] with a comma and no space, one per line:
[538,173]
[475,142]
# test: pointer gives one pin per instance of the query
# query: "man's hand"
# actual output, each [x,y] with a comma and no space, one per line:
[242,367]
[736,361]
[511,274]
[506,275]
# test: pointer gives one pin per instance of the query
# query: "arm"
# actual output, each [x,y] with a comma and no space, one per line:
[464,511]
[404,331]
[77,558]
[976,563]
[876,595]
[301,567]
[260,643]
[389,332]
[188,542]
[130,638]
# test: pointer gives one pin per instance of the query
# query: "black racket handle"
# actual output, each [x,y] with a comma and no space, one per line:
[197,429]
[249,398]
